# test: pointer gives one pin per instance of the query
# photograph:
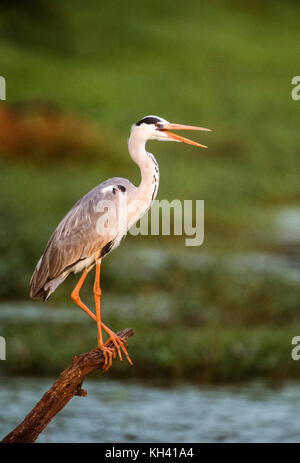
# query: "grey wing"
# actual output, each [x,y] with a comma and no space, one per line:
[76,239]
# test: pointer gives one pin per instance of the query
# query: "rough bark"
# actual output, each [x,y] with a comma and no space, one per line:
[65,387]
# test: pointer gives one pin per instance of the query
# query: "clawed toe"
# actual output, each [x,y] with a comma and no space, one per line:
[119,344]
[109,354]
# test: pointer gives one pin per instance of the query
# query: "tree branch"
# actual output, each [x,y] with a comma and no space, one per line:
[65,387]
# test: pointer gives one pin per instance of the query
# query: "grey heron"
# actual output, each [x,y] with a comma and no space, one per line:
[79,243]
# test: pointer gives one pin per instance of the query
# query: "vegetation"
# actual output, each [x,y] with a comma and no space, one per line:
[197,315]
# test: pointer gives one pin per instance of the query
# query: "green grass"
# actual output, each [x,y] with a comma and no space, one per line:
[191,354]
[211,322]
[227,66]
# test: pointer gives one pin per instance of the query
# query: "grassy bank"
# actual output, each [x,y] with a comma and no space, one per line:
[188,318]
[202,314]
[201,355]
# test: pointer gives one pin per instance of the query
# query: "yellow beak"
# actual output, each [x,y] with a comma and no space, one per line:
[165,127]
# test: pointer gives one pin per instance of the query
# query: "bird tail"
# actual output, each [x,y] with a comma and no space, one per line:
[42,294]
[41,284]
[38,281]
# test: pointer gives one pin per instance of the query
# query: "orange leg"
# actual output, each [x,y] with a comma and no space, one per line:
[75,295]
[117,341]
[76,299]
[108,353]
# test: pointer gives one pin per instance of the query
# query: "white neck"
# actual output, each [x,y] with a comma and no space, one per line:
[147,164]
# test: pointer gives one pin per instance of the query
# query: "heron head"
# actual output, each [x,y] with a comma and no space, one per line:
[157,128]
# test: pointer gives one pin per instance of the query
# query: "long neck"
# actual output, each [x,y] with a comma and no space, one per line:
[148,165]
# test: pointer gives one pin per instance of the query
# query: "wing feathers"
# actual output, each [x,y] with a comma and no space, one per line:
[75,238]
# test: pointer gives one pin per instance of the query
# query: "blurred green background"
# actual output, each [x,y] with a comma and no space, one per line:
[78,75]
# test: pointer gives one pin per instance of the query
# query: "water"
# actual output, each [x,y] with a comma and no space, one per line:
[124,412]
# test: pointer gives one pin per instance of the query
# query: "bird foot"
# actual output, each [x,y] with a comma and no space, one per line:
[109,354]
[119,344]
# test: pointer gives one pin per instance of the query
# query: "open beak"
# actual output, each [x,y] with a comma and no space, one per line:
[173,136]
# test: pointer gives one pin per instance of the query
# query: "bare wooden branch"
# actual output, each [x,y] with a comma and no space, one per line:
[65,387]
